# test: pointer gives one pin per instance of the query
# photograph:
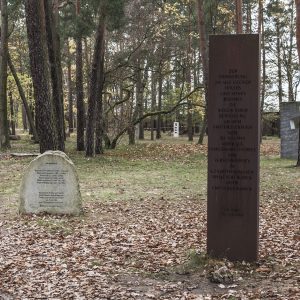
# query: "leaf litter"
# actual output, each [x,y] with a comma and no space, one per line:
[146,248]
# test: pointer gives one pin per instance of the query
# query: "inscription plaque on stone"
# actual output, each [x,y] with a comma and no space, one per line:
[233,147]
[50,184]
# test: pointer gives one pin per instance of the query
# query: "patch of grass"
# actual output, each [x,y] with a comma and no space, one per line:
[278,176]
[95,263]
[167,169]
[54,225]
[196,259]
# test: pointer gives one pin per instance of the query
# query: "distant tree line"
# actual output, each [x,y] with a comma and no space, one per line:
[104,67]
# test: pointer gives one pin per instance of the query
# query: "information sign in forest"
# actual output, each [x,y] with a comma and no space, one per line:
[233,147]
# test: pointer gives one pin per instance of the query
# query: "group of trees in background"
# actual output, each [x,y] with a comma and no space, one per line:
[106,67]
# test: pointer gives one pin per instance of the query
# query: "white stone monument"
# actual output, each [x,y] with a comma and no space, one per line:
[176,129]
[50,184]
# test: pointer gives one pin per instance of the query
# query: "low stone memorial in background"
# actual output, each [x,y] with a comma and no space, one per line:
[50,184]
[233,147]
[176,129]
[289,129]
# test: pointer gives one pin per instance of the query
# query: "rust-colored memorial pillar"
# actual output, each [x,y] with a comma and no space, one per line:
[233,147]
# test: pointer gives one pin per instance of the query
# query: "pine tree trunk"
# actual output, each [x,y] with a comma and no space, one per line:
[12,114]
[159,104]
[99,109]
[131,135]
[53,43]
[260,16]
[279,62]
[70,89]
[36,32]
[24,119]
[189,82]
[94,86]
[23,98]
[290,56]
[239,16]
[139,98]
[263,79]
[297,2]
[153,102]
[249,18]
[79,89]
[99,128]
[4,125]
[204,60]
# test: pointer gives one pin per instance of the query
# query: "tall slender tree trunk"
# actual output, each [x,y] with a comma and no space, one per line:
[12,114]
[260,16]
[139,96]
[249,18]
[79,88]
[204,60]
[239,16]
[24,100]
[263,77]
[87,62]
[53,42]
[35,21]
[95,79]
[131,128]
[70,89]
[159,103]
[99,127]
[189,82]
[153,102]
[24,119]
[4,125]
[290,56]
[279,63]
[100,116]
[297,2]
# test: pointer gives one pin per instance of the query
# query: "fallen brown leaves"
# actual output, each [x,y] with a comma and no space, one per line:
[150,247]
[131,252]
[270,148]
[156,151]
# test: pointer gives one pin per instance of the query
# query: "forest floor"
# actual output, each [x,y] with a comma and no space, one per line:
[143,231]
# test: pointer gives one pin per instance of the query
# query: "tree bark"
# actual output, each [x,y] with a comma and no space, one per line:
[153,102]
[95,79]
[159,103]
[189,82]
[204,60]
[290,76]
[279,63]
[35,17]
[24,100]
[79,88]
[70,89]
[249,18]
[263,77]
[140,96]
[239,16]
[24,119]
[297,2]
[12,114]
[4,125]
[53,43]
[99,108]
[260,16]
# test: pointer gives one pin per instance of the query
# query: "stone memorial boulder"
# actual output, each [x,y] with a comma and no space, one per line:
[50,184]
